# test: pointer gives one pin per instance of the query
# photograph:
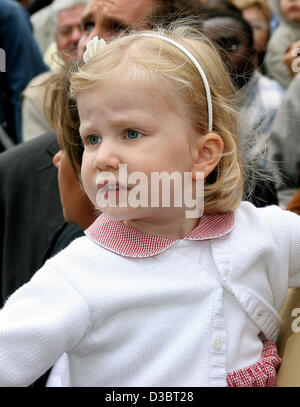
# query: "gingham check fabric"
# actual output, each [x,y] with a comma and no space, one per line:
[127,241]
[260,374]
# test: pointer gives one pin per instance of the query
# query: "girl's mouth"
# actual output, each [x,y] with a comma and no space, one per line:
[111,189]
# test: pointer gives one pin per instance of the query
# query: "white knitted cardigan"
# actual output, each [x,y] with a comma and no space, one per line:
[183,315]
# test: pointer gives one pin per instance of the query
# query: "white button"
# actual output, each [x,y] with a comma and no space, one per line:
[217,344]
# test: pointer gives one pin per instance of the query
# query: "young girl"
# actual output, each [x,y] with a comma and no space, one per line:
[150,297]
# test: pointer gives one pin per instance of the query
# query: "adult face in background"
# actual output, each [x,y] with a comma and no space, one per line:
[260,25]
[237,53]
[106,18]
[68,31]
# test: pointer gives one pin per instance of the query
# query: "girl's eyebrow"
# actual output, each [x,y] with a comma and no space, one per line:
[84,129]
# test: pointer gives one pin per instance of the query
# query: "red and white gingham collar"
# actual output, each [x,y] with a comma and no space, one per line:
[122,239]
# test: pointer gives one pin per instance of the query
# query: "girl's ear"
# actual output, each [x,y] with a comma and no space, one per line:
[208,152]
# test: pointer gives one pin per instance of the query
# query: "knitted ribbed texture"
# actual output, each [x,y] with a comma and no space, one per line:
[218,345]
[177,318]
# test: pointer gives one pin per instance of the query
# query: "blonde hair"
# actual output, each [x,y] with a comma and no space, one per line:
[262,4]
[155,61]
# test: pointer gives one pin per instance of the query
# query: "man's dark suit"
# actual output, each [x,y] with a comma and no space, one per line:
[30,210]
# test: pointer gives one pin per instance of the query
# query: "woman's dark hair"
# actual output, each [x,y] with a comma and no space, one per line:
[218,5]
[236,15]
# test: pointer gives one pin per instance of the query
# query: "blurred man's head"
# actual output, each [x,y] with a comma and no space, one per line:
[233,37]
[67,20]
[106,18]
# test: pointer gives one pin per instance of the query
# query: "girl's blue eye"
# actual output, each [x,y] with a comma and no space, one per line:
[133,134]
[93,140]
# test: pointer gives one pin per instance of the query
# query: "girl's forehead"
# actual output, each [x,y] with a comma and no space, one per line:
[124,104]
[127,91]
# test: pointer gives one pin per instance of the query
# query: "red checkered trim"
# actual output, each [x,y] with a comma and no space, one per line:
[127,241]
[260,374]
[212,226]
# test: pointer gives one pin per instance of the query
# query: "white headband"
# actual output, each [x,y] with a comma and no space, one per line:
[94,47]
[197,65]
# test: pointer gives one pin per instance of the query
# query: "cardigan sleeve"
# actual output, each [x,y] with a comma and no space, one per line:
[294,269]
[285,229]
[39,322]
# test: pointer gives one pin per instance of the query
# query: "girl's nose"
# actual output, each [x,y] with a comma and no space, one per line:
[56,158]
[107,157]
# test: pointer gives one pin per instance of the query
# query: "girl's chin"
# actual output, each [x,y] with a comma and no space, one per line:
[123,214]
